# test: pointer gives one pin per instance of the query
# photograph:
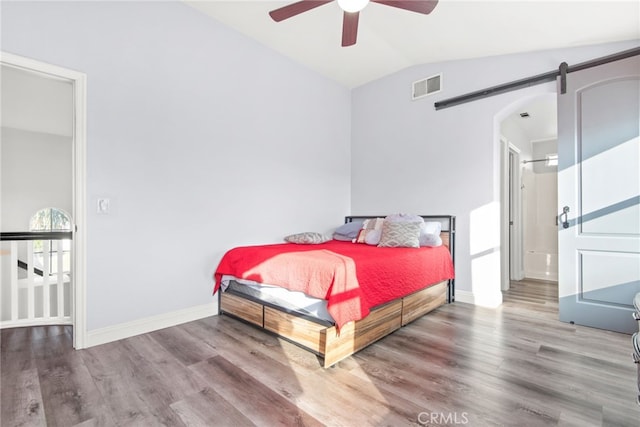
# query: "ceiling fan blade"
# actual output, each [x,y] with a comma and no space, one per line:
[419,6]
[296,8]
[350,28]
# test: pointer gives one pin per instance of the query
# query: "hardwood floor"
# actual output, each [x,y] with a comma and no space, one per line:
[513,366]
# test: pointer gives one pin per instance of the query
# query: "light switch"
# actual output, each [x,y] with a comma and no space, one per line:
[103,206]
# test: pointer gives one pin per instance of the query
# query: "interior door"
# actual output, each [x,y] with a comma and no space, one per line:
[599,195]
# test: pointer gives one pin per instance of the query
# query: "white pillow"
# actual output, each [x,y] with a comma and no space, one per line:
[430,233]
[369,227]
[373,237]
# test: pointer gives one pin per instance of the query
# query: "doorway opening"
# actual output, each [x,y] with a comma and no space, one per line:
[30,120]
[528,136]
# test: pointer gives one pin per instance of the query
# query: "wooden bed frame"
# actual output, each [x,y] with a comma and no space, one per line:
[324,340]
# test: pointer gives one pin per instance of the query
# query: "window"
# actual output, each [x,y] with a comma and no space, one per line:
[52,219]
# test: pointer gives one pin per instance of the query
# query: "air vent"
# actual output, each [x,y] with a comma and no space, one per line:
[428,86]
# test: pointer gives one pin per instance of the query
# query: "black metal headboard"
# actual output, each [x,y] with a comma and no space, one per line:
[448,225]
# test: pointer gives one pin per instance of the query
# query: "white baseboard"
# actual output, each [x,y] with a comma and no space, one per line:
[490,301]
[150,324]
[465,296]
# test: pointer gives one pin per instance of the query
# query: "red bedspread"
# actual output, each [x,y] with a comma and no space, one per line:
[353,278]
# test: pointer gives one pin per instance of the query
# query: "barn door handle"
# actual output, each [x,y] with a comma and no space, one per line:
[565,222]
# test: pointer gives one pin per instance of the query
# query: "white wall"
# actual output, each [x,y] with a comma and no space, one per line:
[35,146]
[541,206]
[409,157]
[516,135]
[36,102]
[35,174]
[202,139]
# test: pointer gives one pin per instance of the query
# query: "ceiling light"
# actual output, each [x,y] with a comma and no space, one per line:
[352,5]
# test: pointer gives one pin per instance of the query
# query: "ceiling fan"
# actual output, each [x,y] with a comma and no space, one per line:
[351,10]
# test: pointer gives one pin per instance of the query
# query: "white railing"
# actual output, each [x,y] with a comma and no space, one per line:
[36,280]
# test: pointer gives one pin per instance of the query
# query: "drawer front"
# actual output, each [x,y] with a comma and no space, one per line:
[242,308]
[421,302]
[304,332]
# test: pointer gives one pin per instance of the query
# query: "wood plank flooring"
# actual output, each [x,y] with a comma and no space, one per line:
[512,366]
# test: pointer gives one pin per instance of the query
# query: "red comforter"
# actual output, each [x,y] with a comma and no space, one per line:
[353,278]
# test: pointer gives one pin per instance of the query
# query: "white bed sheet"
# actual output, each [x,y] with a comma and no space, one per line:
[314,306]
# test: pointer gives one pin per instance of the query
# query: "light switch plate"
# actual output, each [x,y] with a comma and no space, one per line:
[102,206]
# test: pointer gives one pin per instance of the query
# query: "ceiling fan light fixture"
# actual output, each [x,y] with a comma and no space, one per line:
[352,5]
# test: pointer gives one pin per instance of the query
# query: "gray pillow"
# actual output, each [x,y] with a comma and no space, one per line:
[400,234]
[307,238]
[348,231]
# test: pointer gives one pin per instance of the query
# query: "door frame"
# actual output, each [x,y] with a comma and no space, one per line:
[511,240]
[78,81]
[516,244]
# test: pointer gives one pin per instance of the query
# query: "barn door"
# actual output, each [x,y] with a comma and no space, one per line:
[599,195]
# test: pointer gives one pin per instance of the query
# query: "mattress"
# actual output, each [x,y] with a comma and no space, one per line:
[291,301]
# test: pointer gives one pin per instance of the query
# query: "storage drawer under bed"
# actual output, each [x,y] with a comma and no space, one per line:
[239,307]
[324,339]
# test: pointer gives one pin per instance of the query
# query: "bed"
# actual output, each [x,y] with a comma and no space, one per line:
[336,297]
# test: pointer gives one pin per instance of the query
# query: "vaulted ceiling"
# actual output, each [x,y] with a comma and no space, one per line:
[390,39]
